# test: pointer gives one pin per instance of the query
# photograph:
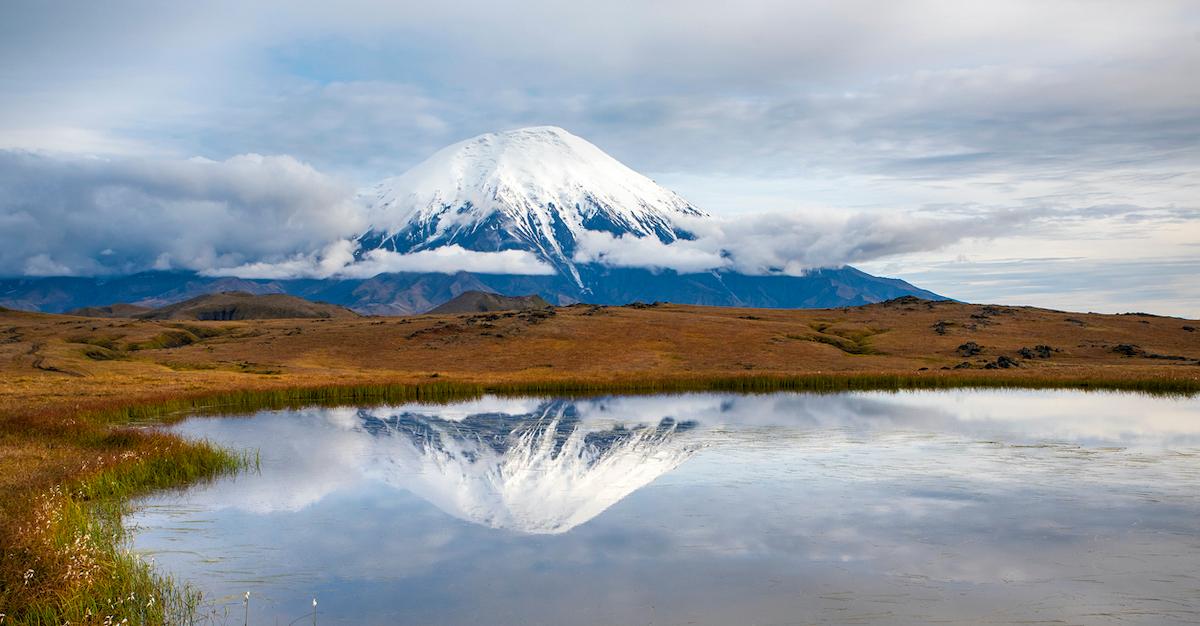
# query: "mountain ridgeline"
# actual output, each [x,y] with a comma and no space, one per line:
[483,302]
[536,190]
[224,306]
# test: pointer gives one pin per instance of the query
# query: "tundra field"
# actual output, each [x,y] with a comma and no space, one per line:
[74,391]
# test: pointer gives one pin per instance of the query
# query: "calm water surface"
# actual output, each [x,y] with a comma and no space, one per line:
[965,506]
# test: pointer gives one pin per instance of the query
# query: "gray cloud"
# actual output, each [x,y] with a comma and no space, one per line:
[97,216]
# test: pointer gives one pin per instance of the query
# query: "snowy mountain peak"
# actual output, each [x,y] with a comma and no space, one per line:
[534,189]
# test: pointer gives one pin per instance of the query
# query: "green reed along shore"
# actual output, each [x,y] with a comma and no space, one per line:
[242,401]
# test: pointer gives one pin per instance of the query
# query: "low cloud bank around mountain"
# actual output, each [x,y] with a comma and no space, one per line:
[337,259]
[70,215]
[274,217]
[783,243]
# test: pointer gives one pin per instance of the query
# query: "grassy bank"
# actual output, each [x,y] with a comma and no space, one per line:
[63,556]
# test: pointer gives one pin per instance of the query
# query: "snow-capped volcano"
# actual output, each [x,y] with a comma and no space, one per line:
[534,189]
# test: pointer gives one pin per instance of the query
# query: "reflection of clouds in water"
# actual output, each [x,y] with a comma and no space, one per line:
[898,495]
[1083,418]
[320,454]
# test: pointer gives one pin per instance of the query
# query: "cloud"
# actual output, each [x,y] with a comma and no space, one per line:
[1165,286]
[75,215]
[788,243]
[337,260]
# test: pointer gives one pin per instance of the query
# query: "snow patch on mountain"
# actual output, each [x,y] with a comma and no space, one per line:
[539,189]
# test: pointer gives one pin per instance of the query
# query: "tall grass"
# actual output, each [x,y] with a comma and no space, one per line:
[68,562]
[244,401]
[834,383]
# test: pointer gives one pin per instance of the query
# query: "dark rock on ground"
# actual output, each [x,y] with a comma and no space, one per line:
[970,349]
[1040,351]
[1168,357]
[1003,362]
[1129,349]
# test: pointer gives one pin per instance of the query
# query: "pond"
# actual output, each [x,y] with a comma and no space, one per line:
[786,508]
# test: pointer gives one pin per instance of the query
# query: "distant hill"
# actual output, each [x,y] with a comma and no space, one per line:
[480,301]
[119,309]
[239,305]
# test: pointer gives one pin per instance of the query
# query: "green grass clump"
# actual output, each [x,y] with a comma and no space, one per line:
[97,353]
[849,346]
[203,332]
[165,340]
[108,342]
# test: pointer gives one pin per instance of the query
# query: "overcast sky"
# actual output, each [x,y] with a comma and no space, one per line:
[1057,142]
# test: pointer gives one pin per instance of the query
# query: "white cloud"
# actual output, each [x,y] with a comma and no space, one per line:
[43,265]
[449,259]
[337,260]
[681,256]
[785,243]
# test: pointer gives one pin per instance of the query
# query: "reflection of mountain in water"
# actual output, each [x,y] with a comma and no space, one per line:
[546,472]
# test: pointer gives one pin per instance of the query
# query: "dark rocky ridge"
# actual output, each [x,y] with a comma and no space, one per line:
[483,302]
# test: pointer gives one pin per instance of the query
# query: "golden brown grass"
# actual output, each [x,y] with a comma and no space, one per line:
[68,384]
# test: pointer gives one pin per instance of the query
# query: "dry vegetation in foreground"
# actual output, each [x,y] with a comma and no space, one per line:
[70,386]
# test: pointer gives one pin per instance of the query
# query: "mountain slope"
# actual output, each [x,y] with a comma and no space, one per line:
[482,301]
[119,309]
[239,305]
[534,189]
